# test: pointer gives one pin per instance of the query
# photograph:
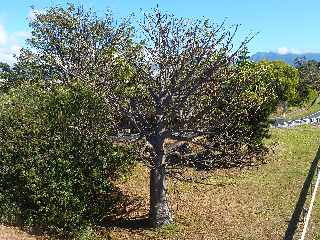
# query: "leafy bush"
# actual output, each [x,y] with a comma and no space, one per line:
[309,84]
[243,105]
[307,95]
[56,160]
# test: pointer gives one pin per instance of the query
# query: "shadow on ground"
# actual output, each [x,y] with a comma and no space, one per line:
[137,223]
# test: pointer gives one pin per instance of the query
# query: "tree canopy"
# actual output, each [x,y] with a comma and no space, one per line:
[172,79]
[309,84]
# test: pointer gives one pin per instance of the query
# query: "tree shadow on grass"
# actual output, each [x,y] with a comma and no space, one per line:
[133,223]
[132,217]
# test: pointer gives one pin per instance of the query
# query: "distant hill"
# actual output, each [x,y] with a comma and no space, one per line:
[288,58]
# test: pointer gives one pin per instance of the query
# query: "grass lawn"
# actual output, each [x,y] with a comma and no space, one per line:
[253,203]
[300,112]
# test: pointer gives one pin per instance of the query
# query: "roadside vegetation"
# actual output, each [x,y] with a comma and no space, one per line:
[108,131]
[306,101]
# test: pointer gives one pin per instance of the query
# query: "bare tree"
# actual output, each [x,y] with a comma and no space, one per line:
[169,94]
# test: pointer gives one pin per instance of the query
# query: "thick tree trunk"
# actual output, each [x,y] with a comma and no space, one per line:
[159,206]
[159,214]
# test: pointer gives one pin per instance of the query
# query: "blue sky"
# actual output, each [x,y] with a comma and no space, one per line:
[283,25]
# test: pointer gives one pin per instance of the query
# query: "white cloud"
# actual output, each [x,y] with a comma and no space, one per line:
[10,44]
[283,50]
[7,55]
[3,35]
[286,50]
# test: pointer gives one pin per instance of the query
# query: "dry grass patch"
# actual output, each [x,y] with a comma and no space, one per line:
[14,233]
[254,203]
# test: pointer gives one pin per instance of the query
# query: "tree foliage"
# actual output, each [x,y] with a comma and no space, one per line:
[243,103]
[309,85]
[57,162]
[285,79]
[175,79]
[7,76]
[74,43]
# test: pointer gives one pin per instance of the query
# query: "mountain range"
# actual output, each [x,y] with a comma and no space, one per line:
[288,58]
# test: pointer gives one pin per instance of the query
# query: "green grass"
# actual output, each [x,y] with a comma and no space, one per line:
[165,232]
[251,203]
[298,112]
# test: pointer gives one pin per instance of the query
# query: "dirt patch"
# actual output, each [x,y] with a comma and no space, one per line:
[14,233]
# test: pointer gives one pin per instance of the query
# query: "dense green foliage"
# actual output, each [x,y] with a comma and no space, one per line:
[56,160]
[309,84]
[246,98]
[73,42]
[284,79]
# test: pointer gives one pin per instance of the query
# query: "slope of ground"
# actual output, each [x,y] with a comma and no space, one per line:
[254,203]
[299,112]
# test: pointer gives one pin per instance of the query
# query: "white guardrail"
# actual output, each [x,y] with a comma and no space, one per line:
[300,210]
[313,118]
[313,198]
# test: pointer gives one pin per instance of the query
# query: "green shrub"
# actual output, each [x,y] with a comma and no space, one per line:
[307,95]
[243,105]
[56,160]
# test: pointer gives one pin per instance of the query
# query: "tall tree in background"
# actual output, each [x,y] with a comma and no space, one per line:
[285,80]
[309,85]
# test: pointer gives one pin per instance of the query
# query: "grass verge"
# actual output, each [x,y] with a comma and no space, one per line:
[251,203]
[300,112]
[254,203]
